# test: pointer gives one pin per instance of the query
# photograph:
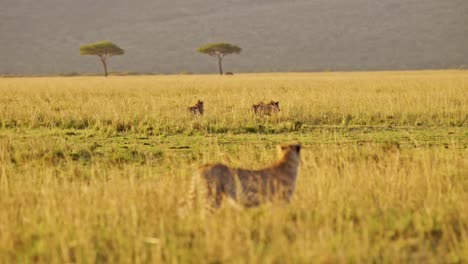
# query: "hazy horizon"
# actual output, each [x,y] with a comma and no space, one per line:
[301,35]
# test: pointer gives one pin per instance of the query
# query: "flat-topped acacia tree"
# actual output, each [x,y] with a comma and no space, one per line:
[219,50]
[103,50]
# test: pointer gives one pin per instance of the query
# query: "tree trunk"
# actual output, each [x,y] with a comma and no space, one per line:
[220,65]
[103,60]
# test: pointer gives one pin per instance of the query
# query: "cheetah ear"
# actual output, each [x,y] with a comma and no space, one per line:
[280,149]
[298,149]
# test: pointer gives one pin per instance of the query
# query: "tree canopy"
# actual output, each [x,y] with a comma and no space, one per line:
[103,48]
[215,49]
[219,50]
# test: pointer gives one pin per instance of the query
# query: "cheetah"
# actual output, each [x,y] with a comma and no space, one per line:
[197,108]
[246,187]
[266,109]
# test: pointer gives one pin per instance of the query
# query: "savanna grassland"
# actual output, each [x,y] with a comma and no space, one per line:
[93,169]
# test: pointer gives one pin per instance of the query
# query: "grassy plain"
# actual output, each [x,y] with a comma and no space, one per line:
[93,169]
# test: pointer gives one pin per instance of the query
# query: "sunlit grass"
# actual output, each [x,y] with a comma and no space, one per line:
[158,103]
[94,169]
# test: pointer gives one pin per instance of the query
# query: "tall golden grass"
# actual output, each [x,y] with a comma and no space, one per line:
[159,103]
[94,169]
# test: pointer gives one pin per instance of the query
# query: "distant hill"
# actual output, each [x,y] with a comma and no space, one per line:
[43,37]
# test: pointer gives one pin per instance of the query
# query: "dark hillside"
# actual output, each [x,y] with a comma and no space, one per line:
[43,37]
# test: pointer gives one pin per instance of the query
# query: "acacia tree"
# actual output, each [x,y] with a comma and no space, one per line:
[219,50]
[103,50]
